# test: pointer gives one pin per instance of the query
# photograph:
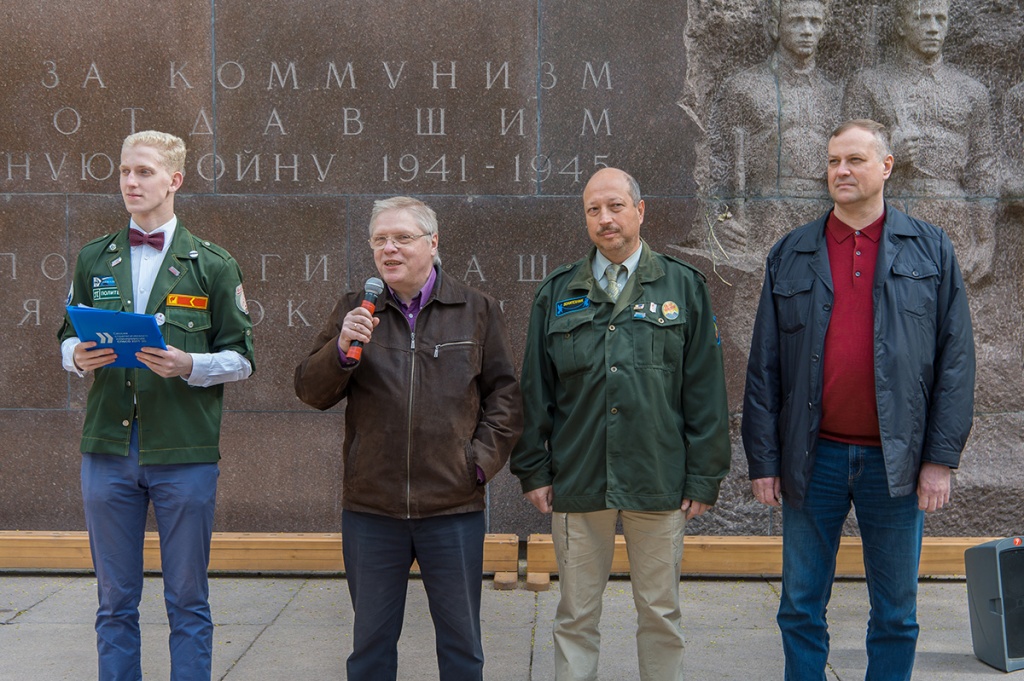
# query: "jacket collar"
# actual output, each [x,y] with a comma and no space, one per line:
[647,269]
[444,293]
[894,229]
[176,264]
[177,259]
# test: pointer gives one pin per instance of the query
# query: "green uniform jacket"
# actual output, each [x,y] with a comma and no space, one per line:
[625,402]
[178,423]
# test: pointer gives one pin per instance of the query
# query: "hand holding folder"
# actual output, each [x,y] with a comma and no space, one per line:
[125,332]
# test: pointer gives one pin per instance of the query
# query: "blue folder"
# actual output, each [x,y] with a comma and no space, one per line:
[126,332]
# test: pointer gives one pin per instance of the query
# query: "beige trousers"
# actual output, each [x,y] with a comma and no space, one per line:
[584,545]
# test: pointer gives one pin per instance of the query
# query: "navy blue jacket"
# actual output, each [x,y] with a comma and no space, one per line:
[924,355]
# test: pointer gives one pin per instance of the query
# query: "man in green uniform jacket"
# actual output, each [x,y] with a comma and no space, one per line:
[626,418]
[152,433]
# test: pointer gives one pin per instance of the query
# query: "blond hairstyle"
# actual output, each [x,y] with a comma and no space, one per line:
[171,148]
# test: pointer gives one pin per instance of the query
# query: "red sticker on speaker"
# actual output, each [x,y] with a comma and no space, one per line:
[1017,541]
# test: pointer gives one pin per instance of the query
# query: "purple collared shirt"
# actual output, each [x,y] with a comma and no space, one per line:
[412,311]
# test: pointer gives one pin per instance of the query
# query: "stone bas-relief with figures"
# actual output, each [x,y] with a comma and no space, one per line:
[296,118]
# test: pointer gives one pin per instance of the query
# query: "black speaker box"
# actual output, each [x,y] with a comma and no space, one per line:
[995,591]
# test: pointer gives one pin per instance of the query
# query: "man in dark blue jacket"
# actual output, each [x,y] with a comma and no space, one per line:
[860,388]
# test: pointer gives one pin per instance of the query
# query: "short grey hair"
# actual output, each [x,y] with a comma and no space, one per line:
[423,215]
[633,188]
[879,131]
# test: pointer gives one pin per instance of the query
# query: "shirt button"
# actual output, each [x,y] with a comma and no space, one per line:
[856,274]
[126,423]
[568,335]
[661,320]
[191,324]
[858,252]
[611,327]
[914,273]
[826,307]
[615,410]
[814,358]
[614,369]
[128,383]
[857,232]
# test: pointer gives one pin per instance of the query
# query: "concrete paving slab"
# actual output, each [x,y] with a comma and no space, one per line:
[23,594]
[272,628]
[47,652]
[74,601]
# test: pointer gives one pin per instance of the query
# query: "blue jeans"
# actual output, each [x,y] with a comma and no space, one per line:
[378,554]
[891,530]
[116,492]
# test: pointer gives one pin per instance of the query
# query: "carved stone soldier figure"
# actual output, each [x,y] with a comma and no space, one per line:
[940,124]
[770,122]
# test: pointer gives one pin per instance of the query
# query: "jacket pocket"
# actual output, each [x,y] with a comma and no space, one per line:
[572,343]
[658,342]
[186,329]
[916,285]
[793,303]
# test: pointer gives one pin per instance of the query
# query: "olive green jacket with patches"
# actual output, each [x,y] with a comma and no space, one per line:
[178,423]
[625,402]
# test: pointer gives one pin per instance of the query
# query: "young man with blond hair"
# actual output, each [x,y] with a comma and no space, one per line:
[152,434]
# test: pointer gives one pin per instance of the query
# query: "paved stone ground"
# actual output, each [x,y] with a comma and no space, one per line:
[285,628]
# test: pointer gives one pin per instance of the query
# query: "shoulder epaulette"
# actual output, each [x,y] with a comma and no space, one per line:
[100,239]
[212,247]
[561,269]
[685,264]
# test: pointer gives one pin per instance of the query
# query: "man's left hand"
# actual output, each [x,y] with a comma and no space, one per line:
[167,363]
[692,508]
[933,484]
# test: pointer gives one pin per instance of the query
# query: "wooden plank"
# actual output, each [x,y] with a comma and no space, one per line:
[749,556]
[229,551]
[321,552]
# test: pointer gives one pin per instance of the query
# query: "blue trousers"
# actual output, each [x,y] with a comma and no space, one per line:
[117,491]
[378,554]
[891,531]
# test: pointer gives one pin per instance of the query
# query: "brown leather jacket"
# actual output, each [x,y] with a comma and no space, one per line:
[424,409]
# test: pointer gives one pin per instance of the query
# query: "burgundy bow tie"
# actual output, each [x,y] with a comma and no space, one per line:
[137,238]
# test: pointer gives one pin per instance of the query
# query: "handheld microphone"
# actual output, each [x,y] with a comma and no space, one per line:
[371,289]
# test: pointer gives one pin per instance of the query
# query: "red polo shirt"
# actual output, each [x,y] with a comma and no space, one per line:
[849,410]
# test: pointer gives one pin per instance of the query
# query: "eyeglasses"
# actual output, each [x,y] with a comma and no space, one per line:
[399,240]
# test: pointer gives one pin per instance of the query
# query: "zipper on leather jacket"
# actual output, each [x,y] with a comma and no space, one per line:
[408,443]
[437,348]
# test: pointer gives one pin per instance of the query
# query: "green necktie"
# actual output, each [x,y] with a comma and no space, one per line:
[612,274]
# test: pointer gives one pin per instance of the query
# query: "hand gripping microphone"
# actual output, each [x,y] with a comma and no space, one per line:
[371,289]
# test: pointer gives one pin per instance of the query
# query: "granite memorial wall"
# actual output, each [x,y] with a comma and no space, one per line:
[298,115]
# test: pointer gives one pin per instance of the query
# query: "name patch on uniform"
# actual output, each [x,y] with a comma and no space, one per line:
[191,302]
[569,305]
[104,288]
